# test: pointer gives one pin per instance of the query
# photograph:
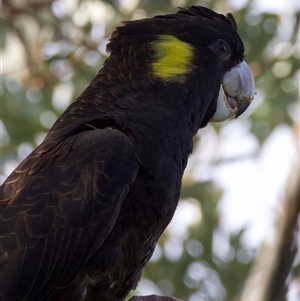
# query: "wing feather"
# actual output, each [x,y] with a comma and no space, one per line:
[58,207]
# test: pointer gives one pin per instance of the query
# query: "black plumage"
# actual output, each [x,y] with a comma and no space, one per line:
[81,215]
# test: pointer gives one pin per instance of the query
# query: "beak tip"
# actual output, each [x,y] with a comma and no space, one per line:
[242,107]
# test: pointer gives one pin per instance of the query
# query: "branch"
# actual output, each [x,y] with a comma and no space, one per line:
[268,279]
[153,298]
[29,7]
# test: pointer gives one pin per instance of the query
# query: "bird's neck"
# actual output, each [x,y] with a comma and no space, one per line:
[160,119]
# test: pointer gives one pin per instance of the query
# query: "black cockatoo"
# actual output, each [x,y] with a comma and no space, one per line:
[81,215]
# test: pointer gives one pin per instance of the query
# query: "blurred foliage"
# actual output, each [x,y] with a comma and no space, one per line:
[52,49]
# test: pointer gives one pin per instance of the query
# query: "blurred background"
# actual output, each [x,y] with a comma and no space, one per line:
[235,187]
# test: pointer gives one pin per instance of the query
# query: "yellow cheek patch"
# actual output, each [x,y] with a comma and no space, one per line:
[172,58]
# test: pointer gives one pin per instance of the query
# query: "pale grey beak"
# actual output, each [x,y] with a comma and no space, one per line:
[236,93]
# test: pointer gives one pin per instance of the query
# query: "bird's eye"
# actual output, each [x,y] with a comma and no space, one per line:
[222,46]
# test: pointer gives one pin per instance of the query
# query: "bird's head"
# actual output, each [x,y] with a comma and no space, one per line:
[196,50]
